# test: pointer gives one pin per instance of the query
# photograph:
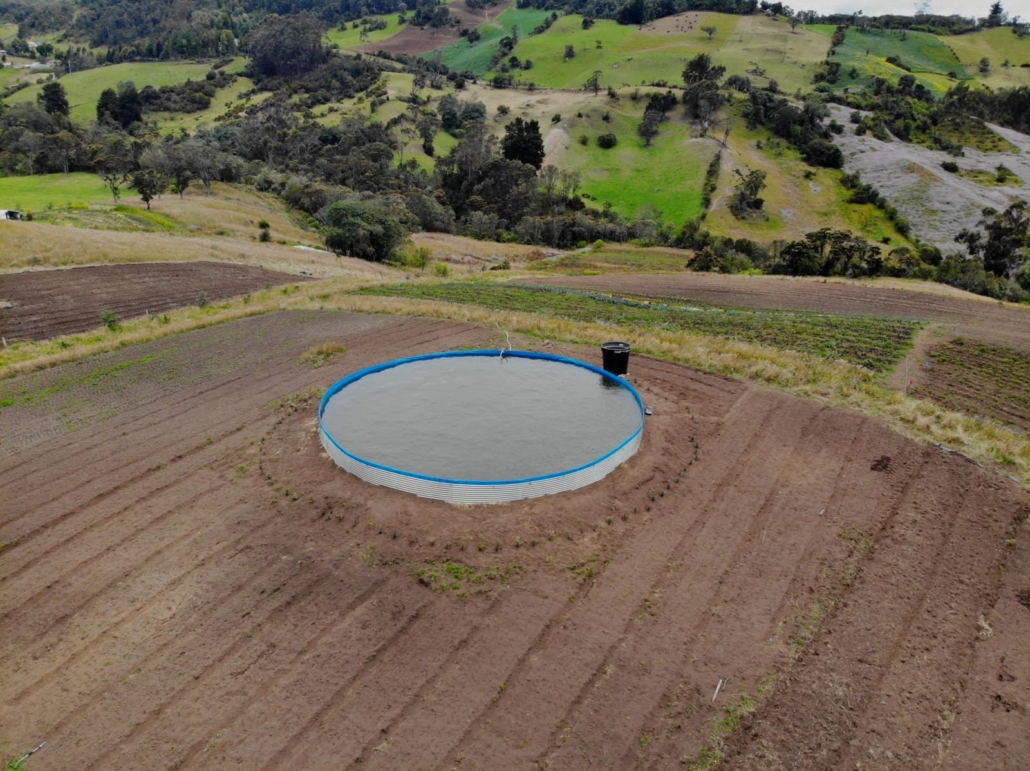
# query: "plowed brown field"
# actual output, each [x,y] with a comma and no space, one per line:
[973,317]
[48,303]
[187,582]
[419,40]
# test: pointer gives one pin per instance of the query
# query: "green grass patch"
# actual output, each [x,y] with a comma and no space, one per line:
[865,53]
[547,52]
[628,56]
[667,177]
[997,45]
[789,58]
[875,343]
[347,36]
[84,88]
[448,576]
[991,178]
[462,55]
[711,753]
[121,218]
[224,99]
[798,198]
[51,190]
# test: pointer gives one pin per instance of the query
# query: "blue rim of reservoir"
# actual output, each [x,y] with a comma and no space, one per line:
[458,490]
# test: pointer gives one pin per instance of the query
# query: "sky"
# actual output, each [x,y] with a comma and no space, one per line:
[977,8]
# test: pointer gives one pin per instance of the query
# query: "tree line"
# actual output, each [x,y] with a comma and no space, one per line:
[346,178]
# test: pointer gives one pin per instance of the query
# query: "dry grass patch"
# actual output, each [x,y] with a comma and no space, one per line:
[450,248]
[321,354]
[230,210]
[30,245]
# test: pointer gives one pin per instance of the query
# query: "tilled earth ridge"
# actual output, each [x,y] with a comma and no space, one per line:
[188,582]
[49,303]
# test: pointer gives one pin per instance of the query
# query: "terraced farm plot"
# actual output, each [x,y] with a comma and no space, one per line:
[868,342]
[476,57]
[186,582]
[64,302]
[979,379]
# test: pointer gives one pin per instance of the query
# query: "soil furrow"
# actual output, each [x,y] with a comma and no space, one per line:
[160,681]
[101,567]
[148,620]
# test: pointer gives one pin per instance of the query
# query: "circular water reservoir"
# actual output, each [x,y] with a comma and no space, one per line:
[479,427]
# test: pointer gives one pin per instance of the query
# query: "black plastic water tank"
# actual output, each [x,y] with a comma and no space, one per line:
[615,357]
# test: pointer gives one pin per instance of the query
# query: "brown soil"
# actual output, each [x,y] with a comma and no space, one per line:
[980,379]
[64,302]
[420,40]
[188,582]
[990,322]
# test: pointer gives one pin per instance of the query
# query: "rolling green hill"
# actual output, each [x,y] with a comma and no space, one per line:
[998,46]
[631,56]
[863,57]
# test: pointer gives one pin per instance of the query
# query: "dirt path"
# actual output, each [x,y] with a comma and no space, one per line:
[62,302]
[988,321]
[187,582]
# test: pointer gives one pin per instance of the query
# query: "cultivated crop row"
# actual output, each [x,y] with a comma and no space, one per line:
[875,343]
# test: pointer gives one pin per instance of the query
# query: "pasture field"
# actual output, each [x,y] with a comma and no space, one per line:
[867,341]
[82,199]
[637,180]
[349,37]
[798,199]
[43,191]
[476,57]
[84,88]
[631,56]
[866,51]
[224,98]
[789,58]
[998,45]
[188,583]
[8,32]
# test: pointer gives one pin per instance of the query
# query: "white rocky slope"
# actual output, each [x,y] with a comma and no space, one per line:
[937,203]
